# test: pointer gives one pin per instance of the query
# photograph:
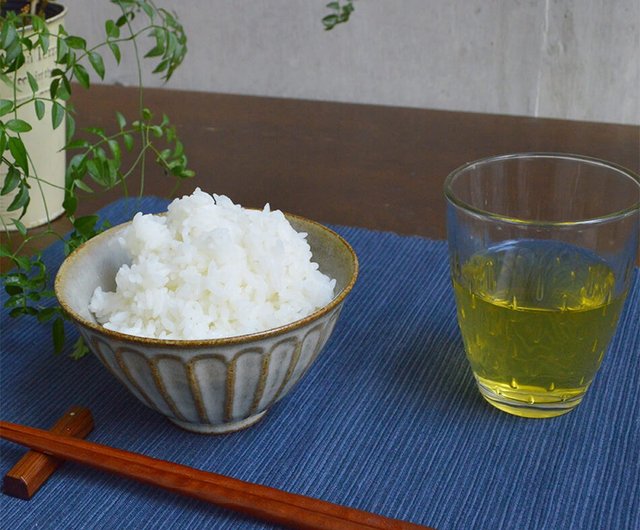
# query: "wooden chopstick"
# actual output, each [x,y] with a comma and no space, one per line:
[259,501]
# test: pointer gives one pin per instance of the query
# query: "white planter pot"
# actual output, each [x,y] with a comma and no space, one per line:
[43,143]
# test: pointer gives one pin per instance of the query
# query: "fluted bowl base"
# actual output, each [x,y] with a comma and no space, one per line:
[222,428]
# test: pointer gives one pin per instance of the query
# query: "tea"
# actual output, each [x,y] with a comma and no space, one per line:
[536,318]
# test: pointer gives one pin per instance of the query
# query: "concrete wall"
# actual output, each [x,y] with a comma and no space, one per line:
[574,59]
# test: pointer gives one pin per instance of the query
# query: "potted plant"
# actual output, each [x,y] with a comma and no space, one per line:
[41,64]
[44,143]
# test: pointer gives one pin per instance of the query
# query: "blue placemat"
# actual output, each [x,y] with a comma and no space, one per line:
[387,420]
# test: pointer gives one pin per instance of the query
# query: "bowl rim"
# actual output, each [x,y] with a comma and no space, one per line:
[201,343]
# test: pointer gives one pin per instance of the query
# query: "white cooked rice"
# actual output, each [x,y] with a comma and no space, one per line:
[210,269]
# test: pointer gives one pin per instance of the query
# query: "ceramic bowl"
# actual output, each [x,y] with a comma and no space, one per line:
[207,386]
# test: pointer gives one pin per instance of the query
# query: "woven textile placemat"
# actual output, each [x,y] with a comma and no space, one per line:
[387,420]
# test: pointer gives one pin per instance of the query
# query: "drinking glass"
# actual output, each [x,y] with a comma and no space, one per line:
[542,249]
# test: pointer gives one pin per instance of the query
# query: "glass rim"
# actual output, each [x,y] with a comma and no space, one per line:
[615,215]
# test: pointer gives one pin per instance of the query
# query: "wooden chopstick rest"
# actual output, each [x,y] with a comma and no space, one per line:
[34,468]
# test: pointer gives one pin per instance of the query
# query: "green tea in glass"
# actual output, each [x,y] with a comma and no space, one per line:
[542,250]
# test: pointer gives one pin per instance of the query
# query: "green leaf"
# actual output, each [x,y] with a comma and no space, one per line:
[77,43]
[53,88]
[115,149]
[172,44]
[160,35]
[57,331]
[22,262]
[128,141]
[13,282]
[43,41]
[330,21]
[15,300]
[112,31]
[64,90]
[98,131]
[57,114]
[97,172]
[77,163]
[16,312]
[17,125]
[111,172]
[32,82]
[148,10]
[126,17]
[81,185]
[98,64]
[179,149]
[156,51]
[115,49]
[11,181]
[19,153]
[121,21]
[6,106]
[39,108]
[9,35]
[341,14]
[4,251]
[17,278]
[27,44]
[4,35]
[14,55]
[161,67]
[79,349]
[47,314]
[77,144]
[6,80]
[122,122]
[70,205]
[62,51]
[21,200]
[20,227]
[71,125]
[81,75]
[37,23]
[85,225]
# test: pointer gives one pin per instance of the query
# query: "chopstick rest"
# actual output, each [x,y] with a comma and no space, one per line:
[263,502]
[34,468]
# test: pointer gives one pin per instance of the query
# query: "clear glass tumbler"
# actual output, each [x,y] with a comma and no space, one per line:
[542,250]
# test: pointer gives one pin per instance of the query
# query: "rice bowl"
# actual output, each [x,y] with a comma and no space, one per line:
[214,385]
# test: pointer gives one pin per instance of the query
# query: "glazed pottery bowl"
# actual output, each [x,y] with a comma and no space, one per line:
[207,386]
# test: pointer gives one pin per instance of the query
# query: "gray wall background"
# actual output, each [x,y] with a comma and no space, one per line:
[572,59]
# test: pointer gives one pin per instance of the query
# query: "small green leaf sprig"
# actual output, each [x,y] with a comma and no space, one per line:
[95,161]
[340,14]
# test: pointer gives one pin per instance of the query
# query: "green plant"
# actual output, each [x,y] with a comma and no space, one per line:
[95,158]
[339,15]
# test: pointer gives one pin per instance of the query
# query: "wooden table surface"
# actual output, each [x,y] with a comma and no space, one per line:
[362,165]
